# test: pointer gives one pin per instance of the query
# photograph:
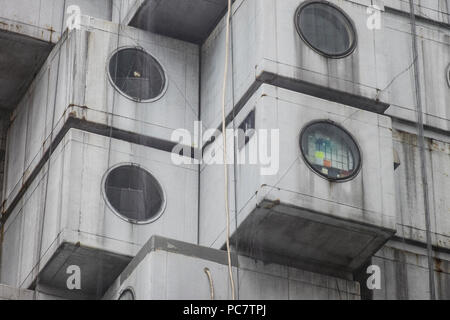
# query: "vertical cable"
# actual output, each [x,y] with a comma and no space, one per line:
[225,160]
[235,155]
[200,142]
[421,142]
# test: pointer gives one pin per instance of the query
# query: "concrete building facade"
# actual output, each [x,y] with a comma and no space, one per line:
[101,200]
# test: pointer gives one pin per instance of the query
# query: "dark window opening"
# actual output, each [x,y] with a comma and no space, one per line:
[246,129]
[137,75]
[134,193]
[326,29]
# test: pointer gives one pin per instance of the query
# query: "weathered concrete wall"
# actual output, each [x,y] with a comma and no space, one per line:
[28,31]
[409,188]
[403,261]
[433,60]
[404,273]
[69,203]
[174,270]
[435,10]
[9,293]
[45,20]
[74,83]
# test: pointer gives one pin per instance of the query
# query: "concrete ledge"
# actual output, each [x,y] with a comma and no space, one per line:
[313,241]
[9,293]
[157,243]
[179,19]
[352,100]
[99,270]
[176,270]
[21,58]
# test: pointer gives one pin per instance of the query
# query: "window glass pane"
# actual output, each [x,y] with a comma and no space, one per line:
[134,193]
[246,129]
[330,151]
[326,29]
[137,74]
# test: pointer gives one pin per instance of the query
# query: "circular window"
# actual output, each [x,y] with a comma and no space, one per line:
[330,151]
[137,75]
[326,28]
[134,194]
[127,295]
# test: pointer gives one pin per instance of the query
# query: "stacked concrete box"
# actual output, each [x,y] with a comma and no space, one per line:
[437,11]
[74,85]
[46,20]
[168,269]
[267,48]
[79,227]
[270,207]
[409,187]
[404,273]
[433,59]
[28,31]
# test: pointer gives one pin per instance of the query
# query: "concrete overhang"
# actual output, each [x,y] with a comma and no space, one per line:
[99,269]
[21,58]
[190,21]
[283,234]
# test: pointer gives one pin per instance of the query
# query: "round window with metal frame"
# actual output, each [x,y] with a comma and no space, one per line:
[330,151]
[134,194]
[137,75]
[326,28]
